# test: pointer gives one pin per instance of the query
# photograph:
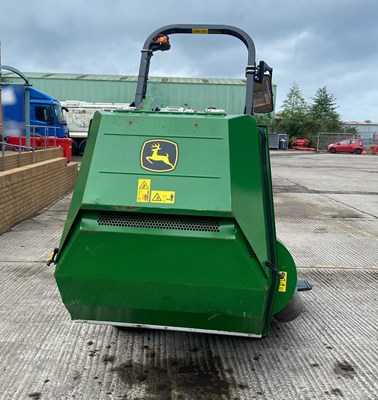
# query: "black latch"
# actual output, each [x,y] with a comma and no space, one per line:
[52,256]
[274,269]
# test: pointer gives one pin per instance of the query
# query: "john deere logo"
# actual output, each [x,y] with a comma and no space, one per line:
[159,155]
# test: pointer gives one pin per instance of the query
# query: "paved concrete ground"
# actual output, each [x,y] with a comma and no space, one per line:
[327,215]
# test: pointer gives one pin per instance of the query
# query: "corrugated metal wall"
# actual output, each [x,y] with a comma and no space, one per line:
[199,96]
[227,94]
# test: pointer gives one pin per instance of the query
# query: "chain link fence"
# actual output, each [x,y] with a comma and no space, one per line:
[321,140]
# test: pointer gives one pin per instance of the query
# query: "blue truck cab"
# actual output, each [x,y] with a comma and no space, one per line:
[46,113]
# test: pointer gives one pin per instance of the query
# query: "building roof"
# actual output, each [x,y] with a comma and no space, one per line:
[368,123]
[127,78]
[197,93]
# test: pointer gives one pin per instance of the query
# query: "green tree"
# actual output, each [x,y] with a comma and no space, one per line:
[294,112]
[322,113]
[264,119]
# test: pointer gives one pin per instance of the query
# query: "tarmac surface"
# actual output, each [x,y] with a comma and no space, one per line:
[327,216]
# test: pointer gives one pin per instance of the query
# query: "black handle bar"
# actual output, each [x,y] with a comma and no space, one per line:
[150,46]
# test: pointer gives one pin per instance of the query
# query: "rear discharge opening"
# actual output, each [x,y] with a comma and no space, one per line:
[157,221]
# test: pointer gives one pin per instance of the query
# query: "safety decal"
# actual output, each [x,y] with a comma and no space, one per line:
[159,155]
[283,280]
[144,187]
[200,31]
[163,197]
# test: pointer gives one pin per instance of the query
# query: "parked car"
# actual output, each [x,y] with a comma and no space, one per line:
[346,146]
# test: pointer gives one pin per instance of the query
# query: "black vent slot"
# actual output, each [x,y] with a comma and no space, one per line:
[249,249]
[155,221]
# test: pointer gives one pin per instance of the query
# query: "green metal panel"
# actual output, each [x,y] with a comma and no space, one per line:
[197,93]
[203,148]
[175,278]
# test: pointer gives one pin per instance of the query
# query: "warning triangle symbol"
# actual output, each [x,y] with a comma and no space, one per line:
[156,197]
[143,185]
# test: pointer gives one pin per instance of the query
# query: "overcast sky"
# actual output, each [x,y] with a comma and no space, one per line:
[315,43]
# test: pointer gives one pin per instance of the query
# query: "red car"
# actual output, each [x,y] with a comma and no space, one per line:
[346,146]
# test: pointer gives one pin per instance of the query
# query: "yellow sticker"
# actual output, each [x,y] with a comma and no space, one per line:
[283,280]
[144,188]
[163,197]
[200,31]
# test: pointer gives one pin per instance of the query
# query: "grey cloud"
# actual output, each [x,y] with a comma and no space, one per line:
[313,42]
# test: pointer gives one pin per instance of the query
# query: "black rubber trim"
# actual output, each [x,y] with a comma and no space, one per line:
[270,222]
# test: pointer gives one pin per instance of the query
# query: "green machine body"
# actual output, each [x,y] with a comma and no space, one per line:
[171,224]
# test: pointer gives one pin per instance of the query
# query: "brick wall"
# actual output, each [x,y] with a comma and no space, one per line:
[15,159]
[26,190]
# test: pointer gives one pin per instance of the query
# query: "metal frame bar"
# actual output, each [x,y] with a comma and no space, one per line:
[147,53]
[32,128]
[4,144]
[27,85]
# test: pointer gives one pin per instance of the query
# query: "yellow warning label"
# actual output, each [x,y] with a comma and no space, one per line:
[163,197]
[143,193]
[283,280]
[144,183]
[200,31]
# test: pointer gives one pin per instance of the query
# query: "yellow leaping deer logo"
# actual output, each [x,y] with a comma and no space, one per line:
[159,155]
